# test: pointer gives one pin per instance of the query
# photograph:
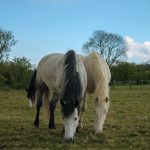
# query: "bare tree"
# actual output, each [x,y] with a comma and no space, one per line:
[6,42]
[111,46]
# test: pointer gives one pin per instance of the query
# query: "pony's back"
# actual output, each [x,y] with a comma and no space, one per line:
[47,69]
[103,66]
[96,67]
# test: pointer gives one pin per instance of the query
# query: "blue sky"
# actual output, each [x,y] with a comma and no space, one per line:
[48,26]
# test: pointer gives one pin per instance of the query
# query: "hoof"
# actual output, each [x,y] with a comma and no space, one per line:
[94,133]
[36,124]
[52,126]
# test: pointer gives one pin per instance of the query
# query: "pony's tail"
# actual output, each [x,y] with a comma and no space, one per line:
[46,107]
[31,91]
[33,81]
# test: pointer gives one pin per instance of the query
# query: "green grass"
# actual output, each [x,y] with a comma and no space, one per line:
[127,126]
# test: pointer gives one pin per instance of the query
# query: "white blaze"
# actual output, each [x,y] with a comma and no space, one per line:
[70,125]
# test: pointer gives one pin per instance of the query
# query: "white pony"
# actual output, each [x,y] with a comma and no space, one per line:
[65,75]
[98,77]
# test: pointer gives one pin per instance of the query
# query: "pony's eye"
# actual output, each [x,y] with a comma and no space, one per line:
[106,99]
[96,100]
[75,118]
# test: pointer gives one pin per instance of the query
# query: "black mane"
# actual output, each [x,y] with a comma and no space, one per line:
[72,89]
[32,86]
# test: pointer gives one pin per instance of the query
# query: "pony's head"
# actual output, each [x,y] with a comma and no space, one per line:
[31,97]
[71,96]
[70,120]
[101,107]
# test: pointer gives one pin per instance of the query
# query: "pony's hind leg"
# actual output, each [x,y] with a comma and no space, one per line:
[52,106]
[40,92]
[46,102]
[83,107]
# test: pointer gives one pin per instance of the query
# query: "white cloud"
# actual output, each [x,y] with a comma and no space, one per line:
[137,51]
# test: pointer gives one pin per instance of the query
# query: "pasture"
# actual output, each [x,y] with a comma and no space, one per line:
[127,125]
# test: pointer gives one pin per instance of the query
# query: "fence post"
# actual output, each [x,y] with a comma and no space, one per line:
[130,84]
[141,84]
[113,84]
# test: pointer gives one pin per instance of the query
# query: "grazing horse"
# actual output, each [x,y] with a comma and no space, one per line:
[65,75]
[98,78]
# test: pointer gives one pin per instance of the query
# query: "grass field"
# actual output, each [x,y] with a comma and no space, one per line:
[127,125]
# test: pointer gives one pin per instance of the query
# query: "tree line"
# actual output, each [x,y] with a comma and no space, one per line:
[124,71]
[16,73]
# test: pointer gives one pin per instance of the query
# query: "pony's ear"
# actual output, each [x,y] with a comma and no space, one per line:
[106,99]
[96,100]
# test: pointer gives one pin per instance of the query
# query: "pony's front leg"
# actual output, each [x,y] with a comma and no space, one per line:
[83,107]
[52,106]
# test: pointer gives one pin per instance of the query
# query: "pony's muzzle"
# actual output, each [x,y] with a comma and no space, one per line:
[97,131]
[70,140]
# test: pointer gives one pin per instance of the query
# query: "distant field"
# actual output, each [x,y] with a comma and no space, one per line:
[127,126]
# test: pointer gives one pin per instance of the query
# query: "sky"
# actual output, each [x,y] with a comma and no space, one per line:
[48,26]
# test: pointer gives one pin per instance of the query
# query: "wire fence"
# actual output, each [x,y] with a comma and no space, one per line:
[130,84]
